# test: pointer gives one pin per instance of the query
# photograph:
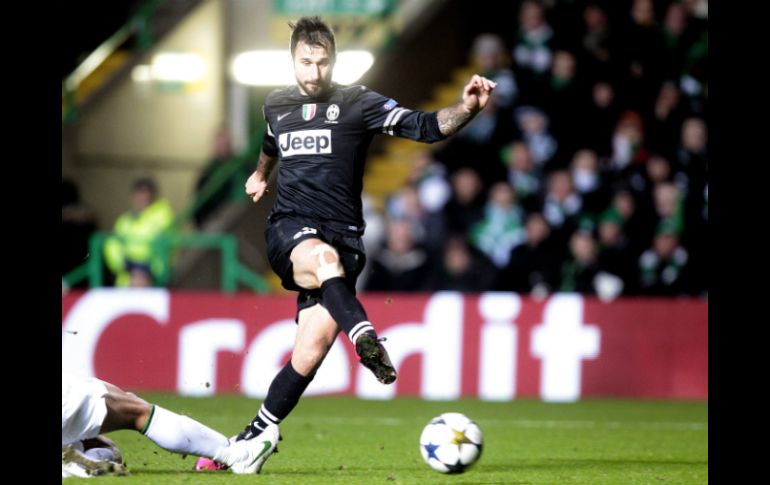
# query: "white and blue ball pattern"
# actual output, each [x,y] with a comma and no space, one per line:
[450,443]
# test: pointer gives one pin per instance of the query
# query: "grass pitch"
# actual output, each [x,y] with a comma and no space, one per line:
[346,440]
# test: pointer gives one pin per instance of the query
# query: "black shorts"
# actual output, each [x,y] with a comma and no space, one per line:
[284,232]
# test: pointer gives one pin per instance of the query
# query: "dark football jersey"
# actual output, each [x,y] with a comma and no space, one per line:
[322,142]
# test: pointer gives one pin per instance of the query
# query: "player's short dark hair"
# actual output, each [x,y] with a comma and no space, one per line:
[313,31]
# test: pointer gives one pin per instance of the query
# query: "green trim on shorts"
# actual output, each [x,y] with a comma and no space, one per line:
[147,424]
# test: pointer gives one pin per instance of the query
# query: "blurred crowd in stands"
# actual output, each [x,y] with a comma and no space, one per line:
[588,172]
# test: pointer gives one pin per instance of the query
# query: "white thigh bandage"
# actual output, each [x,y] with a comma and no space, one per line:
[326,270]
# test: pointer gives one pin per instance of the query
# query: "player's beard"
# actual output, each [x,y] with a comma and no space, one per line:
[315,89]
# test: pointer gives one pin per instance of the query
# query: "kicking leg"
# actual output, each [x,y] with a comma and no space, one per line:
[317,265]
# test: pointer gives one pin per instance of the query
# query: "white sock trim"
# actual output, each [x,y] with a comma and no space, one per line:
[267,416]
[359,328]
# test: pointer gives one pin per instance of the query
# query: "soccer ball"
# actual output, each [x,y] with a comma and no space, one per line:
[450,443]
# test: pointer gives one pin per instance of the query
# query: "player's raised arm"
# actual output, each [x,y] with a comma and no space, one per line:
[256,185]
[384,115]
[476,95]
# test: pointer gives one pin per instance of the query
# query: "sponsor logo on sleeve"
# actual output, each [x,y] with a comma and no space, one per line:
[390,104]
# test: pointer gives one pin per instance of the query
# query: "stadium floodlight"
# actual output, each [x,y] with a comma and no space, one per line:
[141,73]
[263,68]
[274,67]
[177,67]
[351,65]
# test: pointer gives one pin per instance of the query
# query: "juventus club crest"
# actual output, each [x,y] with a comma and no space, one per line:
[332,112]
[308,111]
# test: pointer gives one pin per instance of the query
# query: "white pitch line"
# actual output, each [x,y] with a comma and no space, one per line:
[517,423]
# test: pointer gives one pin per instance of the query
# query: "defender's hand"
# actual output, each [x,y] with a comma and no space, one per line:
[255,187]
[477,92]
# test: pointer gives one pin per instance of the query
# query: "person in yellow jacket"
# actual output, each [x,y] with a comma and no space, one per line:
[133,253]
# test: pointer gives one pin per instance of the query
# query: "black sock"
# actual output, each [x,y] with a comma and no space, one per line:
[345,308]
[283,395]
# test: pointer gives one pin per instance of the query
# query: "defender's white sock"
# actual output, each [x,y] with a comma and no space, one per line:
[180,434]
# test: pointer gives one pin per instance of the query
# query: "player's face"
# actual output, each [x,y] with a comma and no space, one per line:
[313,69]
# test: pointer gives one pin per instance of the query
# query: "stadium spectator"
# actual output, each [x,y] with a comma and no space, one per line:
[401,265]
[676,38]
[665,119]
[461,268]
[490,57]
[692,153]
[533,124]
[533,266]
[502,227]
[638,224]
[561,205]
[430,178]
[601,111]
[561,100]
[532,50]
[597,45]
[433,192]
[643,53]
[669,205]
[628,142]
[694,74]
[581,267]
[466,206]
[522,174]
[405,205]
[588,182]
[231,188]
[615,256]
[132,253]
[663,268]
[643,178]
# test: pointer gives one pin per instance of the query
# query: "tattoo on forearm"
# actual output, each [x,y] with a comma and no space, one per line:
[265,166]
[451,119]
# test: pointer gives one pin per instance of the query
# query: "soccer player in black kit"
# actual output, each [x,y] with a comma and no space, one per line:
[321,131]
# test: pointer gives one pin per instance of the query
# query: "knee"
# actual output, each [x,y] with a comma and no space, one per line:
[140,413]
[127,411]
[307,362]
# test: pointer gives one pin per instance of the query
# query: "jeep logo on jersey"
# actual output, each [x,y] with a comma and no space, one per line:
[305,142]
[332,112]
[308,111]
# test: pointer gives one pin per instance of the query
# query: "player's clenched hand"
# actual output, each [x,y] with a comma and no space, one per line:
[477,92]
[255,186]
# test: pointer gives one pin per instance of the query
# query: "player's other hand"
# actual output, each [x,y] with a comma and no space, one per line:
[255,186]
[477,92]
